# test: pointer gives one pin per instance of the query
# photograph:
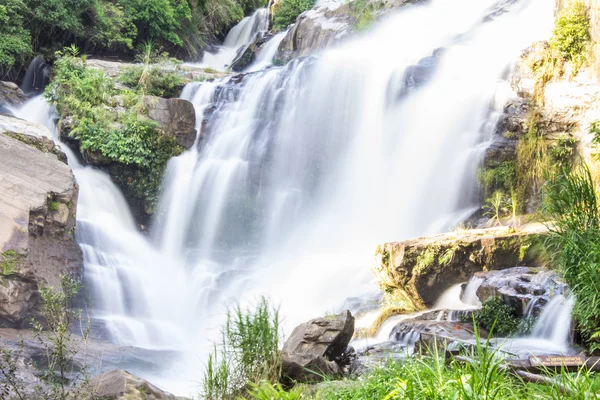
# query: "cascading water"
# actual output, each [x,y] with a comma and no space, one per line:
[267,53]
[298,172]
[237,40]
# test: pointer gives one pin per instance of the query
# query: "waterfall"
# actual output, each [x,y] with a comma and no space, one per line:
[298,172]
[555,321]
[37,76]
[267,53]
[237,40]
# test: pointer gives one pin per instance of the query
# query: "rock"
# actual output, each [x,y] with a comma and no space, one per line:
[524,289]
[420,270]
[318,345]
[175,117]
[38,199]
[190,72]
[11,95]
[315,30]
[246,57]
[327,25]
[121,385]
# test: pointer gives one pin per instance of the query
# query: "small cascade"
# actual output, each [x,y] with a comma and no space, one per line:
[237,40]
[37,76]
[554,323]
[469,295]
[267,53]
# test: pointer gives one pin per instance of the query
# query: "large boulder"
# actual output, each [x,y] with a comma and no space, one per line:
[121,385]
[38,199]
[175,118]
[418,271]
[317,348]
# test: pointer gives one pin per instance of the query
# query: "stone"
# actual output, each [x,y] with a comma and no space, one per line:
[520,288]
[38,199]
[11,95]
[121,385]
[175,118]
[418,271]
[318,345]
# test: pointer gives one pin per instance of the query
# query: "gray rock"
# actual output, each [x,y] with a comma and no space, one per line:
[11,95]
[317,345]
[175,117]
[121,385]
[38,199]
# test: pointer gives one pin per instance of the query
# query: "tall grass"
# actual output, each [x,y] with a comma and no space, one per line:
[249,352]
[572,206]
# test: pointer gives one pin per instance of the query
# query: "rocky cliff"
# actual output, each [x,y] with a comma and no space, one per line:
[38,199]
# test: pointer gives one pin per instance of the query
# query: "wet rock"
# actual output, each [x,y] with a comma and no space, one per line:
[38,199]
[318,345]
[248,55]
[524,289]
[175,117]
[11,95]
[418,271]
[121,385]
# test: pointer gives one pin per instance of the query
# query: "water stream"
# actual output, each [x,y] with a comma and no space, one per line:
[300,172]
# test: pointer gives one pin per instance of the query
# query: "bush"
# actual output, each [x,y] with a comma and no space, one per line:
[249,353]
[571,34]
[59,347]
[498,317]
[572,206]
[288,11]
[15,45]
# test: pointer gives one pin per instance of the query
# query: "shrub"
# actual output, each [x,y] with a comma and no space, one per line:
[497,316]
[288,11]
[15,45]
[571,34]
[59,348]
[9,261]
[572,206]
[248,353]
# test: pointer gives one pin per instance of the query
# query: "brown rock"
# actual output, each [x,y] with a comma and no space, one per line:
[175,117]
[121,385]
[420,270]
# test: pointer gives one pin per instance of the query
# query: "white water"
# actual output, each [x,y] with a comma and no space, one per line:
[302,172]
[267,53]
[238,38]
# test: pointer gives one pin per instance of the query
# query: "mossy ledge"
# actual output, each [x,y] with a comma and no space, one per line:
[420,270]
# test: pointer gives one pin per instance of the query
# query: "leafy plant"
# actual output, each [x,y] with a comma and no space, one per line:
[495,207]
[9,260]
[497,316]
[571,34]
[269,391]
[15,45]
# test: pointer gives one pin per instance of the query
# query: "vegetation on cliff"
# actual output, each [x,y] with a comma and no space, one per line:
[88,100]
[112,26]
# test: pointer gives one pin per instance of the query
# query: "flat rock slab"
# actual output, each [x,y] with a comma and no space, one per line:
[27,177]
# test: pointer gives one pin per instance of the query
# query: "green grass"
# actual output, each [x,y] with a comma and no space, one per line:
[571,207]
[249,352]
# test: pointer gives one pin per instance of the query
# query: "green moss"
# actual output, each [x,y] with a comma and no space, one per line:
[364,13]
[164,79]
[288,10]
[53,206]
[210,71]
[9,261]
[425,261]
[502,177]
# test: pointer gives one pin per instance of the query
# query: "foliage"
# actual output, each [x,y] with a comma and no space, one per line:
[157,75]
[571,34]
[249,352]
[496,315]
[268,391]
[288,10]
[502,177]
[572,205]
[59,347]
[15,45]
